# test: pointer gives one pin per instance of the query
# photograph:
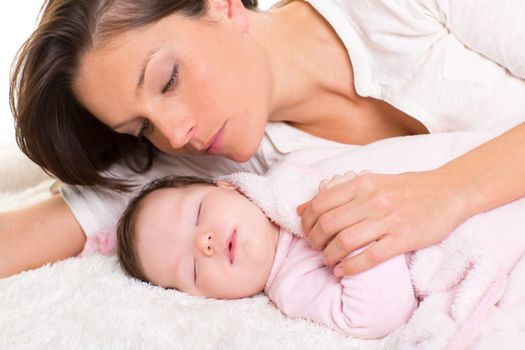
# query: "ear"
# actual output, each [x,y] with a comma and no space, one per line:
[234,10]
[226,185]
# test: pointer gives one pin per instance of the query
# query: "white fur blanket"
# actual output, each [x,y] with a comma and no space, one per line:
[472,285]
[87,303]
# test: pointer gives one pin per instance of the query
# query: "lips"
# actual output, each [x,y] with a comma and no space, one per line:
[216,143]
[230,246]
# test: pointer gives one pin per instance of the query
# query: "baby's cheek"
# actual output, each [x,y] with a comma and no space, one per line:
[257,255]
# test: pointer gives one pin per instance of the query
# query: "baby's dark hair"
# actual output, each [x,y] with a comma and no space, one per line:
[126,235]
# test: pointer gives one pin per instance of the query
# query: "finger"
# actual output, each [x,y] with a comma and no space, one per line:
[328,183]
[380,251]
[301,208]
[351,239]
[336,180]
[349,175]
[324,202]
[322,184]
[339,179]
[333,222]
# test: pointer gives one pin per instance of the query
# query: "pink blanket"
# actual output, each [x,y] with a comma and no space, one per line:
[471,286]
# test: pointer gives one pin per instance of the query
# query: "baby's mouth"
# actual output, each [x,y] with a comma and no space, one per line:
[230,246]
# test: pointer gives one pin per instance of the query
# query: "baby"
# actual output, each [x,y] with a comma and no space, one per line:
[205,238]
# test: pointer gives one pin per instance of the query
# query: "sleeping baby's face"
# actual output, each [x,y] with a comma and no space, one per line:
[205,240]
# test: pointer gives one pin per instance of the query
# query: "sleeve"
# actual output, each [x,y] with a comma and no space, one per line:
[494,29]
[378,301]
[369,305]
[98,209]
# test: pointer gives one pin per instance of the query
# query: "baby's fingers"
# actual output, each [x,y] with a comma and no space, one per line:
[336,180]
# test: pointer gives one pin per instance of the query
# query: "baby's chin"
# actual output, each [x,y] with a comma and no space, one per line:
[247,288]
[235,293]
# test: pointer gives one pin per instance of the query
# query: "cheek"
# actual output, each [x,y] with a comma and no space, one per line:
[252,140]
[217,283]
[257,253]
[257,248]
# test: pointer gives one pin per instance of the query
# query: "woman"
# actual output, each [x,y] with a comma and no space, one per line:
[194,78]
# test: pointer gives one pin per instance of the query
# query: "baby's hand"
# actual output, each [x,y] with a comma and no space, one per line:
[339,179]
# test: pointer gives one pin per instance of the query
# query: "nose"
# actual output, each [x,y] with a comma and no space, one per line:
[177,131]
[205,242]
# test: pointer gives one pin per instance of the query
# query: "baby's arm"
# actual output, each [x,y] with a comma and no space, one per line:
[378,301]
[366,305]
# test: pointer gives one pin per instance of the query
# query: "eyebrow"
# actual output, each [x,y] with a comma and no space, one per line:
[142,74]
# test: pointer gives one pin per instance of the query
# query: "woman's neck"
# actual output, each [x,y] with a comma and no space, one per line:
[309,63]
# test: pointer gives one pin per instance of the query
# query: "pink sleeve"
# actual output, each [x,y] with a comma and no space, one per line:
[369,305]
[378,301]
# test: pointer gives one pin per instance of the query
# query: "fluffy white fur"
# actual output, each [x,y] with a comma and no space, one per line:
[87,303]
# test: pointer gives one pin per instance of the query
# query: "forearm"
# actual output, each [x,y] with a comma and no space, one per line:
[489,176]
[32,237]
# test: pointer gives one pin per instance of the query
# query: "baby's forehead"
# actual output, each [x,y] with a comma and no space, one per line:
[154,208]
[169,194]
[174,189]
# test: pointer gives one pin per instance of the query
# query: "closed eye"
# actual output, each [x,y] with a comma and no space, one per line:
[172,81]
[198,214]
[194,271]
[194,262]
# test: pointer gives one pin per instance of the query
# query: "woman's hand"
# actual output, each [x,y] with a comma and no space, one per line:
[395,213]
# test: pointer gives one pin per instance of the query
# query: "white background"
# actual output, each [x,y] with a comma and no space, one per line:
[17,21]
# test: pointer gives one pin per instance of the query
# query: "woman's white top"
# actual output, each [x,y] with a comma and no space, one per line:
[451,64]
[454,65]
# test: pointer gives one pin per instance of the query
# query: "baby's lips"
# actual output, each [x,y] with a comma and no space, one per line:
[230,246]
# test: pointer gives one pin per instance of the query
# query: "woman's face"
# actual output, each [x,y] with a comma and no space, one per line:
[197,86]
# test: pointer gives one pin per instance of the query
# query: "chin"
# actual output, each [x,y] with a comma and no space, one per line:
[240,158]
[244,156]
[245,151]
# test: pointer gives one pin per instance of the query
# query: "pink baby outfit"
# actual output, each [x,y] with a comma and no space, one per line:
[369,305]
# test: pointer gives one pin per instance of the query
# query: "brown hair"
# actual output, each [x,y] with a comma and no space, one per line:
[52,127]
[126,235]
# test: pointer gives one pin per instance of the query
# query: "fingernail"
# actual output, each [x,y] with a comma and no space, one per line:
[300,209]
[339,271]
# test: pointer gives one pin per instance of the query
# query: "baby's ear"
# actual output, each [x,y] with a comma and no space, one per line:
[226,185]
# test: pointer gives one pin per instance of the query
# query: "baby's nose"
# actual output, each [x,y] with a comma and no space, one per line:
[205,242]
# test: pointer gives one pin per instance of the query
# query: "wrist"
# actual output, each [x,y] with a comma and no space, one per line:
[460,201]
